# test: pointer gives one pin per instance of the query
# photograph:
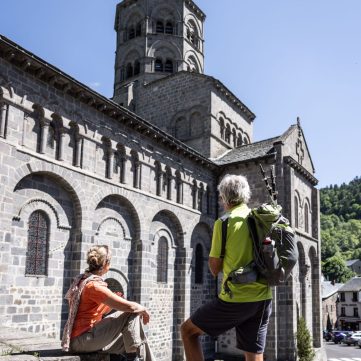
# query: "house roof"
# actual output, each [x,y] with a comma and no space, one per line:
[328,288]
[353,284]
[351,262]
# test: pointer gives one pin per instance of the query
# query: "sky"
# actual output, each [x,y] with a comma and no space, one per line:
[283,58]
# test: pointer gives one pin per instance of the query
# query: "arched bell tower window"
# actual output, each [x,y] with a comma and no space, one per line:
[239,140]
[162,261]
[228,134]
[131,33]
[169,28]
[158,65]
[136,67]
[199,264]
[138,29]
[38,244]
[168,66]
[221,125]
[129,70]
[160,27]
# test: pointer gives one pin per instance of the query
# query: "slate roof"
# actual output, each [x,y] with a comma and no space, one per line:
[353,285]
[328,288]
[351,262]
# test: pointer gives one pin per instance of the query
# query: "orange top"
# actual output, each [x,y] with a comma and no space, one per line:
[91,307]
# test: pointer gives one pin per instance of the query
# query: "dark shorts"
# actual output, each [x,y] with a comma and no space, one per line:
[249,318]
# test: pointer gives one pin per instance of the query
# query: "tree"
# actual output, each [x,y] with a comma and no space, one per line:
[305,350]
[335,269]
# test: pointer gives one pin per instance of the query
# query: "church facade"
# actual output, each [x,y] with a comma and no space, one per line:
[139,173]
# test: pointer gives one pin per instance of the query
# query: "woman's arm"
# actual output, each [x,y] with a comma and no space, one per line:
[120,304]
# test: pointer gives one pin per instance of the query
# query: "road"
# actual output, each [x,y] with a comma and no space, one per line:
[341,352]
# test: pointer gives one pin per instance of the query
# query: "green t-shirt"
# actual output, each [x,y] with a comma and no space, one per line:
[239,253]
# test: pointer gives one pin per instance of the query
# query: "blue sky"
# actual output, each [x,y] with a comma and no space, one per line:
[282,58]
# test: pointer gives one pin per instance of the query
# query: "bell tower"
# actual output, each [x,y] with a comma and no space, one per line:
[155,38]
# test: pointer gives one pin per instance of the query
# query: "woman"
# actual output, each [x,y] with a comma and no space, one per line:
[87,330]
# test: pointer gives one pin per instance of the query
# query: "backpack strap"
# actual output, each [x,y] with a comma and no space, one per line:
[224,236]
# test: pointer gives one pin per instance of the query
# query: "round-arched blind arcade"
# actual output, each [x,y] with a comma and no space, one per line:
[38,244]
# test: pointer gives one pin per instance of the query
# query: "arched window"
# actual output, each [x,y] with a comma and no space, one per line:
[307,227]
[162,261]
[181,130]
[200,197]
[199,264]
[76,143]
[245,140]
[234,137]
[131,33]
[129,70]
[136,170]
[158,65]
[168,66]
[169,28]
[296,212]
[168,178]
[38,244]
[221,125]
[179,187]
[138,29]
[194,194]
[136,67]
[160,27]
[239,140]
[158,178]
[120,162]
[228,134]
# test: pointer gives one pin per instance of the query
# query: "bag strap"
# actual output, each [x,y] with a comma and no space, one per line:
[224,237]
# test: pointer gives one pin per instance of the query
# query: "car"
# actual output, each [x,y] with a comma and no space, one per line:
[338,336]
[327,335]
[352,339]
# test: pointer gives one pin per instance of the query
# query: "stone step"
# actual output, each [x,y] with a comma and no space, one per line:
[18,345]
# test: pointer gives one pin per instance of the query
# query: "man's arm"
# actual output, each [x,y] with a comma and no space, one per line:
[215,265]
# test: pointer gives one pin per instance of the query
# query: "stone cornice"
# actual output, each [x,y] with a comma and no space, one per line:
[300,169]
[53,76]
[192,5]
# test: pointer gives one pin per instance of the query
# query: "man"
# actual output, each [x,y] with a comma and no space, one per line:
[245,306]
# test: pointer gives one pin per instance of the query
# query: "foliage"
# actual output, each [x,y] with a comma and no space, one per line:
[340,228]
[343,201]
[336,270]
[305,350]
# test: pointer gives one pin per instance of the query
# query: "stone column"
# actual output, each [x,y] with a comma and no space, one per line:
[60,144]
[110,163]
[78,151]
[44,133]
[3,119]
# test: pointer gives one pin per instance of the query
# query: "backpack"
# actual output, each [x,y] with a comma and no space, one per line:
[275,250]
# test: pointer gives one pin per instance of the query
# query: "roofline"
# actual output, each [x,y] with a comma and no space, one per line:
[195,7]
[219,85]
[41,70]
[255,159]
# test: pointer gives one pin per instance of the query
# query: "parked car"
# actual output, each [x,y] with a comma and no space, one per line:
[359,343]
[337,336]
[352,339]
[327,335]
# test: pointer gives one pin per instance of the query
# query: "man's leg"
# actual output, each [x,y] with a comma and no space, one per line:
[253,356]
[192,346]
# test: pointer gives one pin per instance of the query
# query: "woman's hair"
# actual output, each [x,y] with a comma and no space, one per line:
[98,257]
[234,189]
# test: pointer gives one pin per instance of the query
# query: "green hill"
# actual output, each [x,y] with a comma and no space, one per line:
[340,227]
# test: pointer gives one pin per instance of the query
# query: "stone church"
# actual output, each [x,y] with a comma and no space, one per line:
[139,172]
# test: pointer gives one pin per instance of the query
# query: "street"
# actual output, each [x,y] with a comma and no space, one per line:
[342,352]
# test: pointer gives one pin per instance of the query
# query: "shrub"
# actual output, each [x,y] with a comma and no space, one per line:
[305,350]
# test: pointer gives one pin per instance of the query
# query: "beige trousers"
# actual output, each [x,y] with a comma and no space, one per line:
[118,333]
